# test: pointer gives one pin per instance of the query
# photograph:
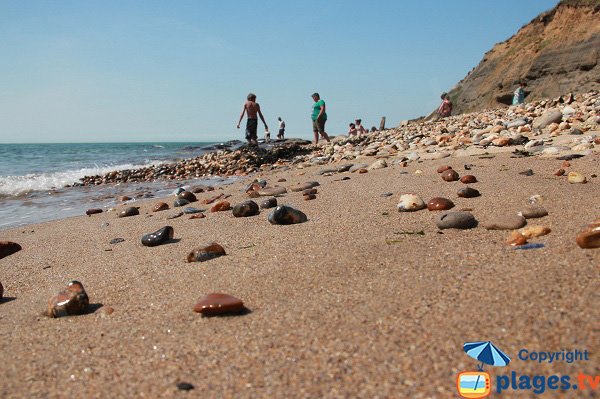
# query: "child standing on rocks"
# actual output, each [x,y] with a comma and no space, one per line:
[253,109]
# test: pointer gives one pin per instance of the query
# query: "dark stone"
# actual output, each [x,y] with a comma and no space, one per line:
[93,211]
[73,300]
[245,209]
[468,192]
[456,220]
[286,215]
[184,386]
[191,210]
[131,211]
[8,248]
[116,240]
[181,202]
[450,175]
[439,204]
[528,172]
[161,236]
[269,203]
[206,252]
[187,196]
[160,206]
[570,157]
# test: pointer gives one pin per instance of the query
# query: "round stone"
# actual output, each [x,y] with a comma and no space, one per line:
[184,386]
[245,209]
[456,220]
[218,304]
[180,202]
[160,206]
[506,222]
[443,168]
[468,179]
[410,203]
[206,252]
[468,192]
[269,203]
[576,178]
[439,204]
[450,175]
[187,195]
[286,215]
[534,212]
[161,236]
[131,211]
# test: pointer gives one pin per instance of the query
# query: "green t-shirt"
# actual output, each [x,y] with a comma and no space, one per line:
[317,108]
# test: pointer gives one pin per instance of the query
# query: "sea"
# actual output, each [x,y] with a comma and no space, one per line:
[34,177]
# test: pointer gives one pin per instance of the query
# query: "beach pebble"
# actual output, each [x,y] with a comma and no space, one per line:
[456,220]
[559,172]
[160,236]
[443,168]
[576,178]
[515,238]
[550,116]
[267,192]
[93,211]
[357,167]
[190,210]
[221,206]
[184,386]
[528,172]
[180,202]
[361,171]
[123,198]
[286,215]
[468,179]
[410,203]
[305,186]
[281,180]
[187,195]
[8,248]
[468,192]
[534,231]
[206,252]
[308,197]
[534,212]
[175,215]
[439,204]
[344,168]
[380,164]
[218,304]
[198,216]
[590,236]
[534,199]
[160,206]
[386,194]
[117,240]
[72,300]
[309,191]
[269,203]
[506,222]
[450,175]
[131,211]
[245,209]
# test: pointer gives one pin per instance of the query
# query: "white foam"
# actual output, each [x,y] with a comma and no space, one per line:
[16,185]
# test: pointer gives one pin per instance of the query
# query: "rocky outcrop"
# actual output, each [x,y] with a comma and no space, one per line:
[556,53]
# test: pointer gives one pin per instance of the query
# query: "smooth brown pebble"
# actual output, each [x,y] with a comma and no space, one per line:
[468,179]
[468,192]
[221,206]
[590,236]
[506,222]
[73,300]
[559,172]
[534,212]
[515,238]
[160,206]
[443,168]
[218,304]
[439,204]
[308,197]
[450,175]
[206,252]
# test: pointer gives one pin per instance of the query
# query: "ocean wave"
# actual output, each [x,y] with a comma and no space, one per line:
[19,185]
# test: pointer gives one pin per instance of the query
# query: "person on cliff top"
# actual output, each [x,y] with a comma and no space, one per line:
[359,127]
[281,128]
[352,130]
[445,108]
[519,94]
[319,117]
[252,109]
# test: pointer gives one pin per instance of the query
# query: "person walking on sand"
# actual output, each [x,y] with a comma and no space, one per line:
[319,117]
[252,109]
[519,94]
[281,128]
[445,108]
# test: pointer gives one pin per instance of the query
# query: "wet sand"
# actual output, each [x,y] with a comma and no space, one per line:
[343,305]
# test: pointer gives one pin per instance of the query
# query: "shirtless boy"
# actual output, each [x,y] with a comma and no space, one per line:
[252,108]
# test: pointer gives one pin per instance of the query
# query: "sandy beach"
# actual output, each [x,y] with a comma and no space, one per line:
[344,305]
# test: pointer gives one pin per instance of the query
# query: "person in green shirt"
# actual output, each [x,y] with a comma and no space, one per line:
[319,117]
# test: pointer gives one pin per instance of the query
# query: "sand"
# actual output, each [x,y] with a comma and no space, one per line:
[341,306]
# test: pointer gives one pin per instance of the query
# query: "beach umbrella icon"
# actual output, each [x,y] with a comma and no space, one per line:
[486,353]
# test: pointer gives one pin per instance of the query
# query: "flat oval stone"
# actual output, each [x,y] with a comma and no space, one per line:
[589,237]
[93,211]
[534,231]
[218,304]
[221,206]
[160,206]
[305,186]
[357,167]
[160,236]
[443,168]
[187,195]
[309,191]
[468,179]
[245,209]
[8,248]
[269,203]
[270,191]
[450,175]
[190,210]
[131,211]
[439,204]
[206,252]
[456,220]
[576,178]
[286,215]
[180,202]
[534,212]
[73,300]
[410,203]
[468,192]
[506,222]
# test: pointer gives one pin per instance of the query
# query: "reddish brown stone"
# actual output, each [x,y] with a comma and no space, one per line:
[221,206]
[468,179]
[515,238]
[559,172]
[218,304]
[8,248]
[450,175]
[93,211]
[281,180]
[308,197]
[206,252]
[566,164]
[443,168]
[187,195]
[160,206]
[590,236]
[363,171]
[197,216]
[439,204]
[212,199]
[72,300]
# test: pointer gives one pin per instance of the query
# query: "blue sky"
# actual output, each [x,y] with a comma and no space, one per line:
[102,71]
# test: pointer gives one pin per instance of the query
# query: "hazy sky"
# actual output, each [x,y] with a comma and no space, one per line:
[101,71]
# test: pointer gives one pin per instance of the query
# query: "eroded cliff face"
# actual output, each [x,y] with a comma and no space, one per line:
[556,53]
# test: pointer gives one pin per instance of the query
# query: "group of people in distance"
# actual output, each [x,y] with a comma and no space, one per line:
[252,109]
[319,117]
